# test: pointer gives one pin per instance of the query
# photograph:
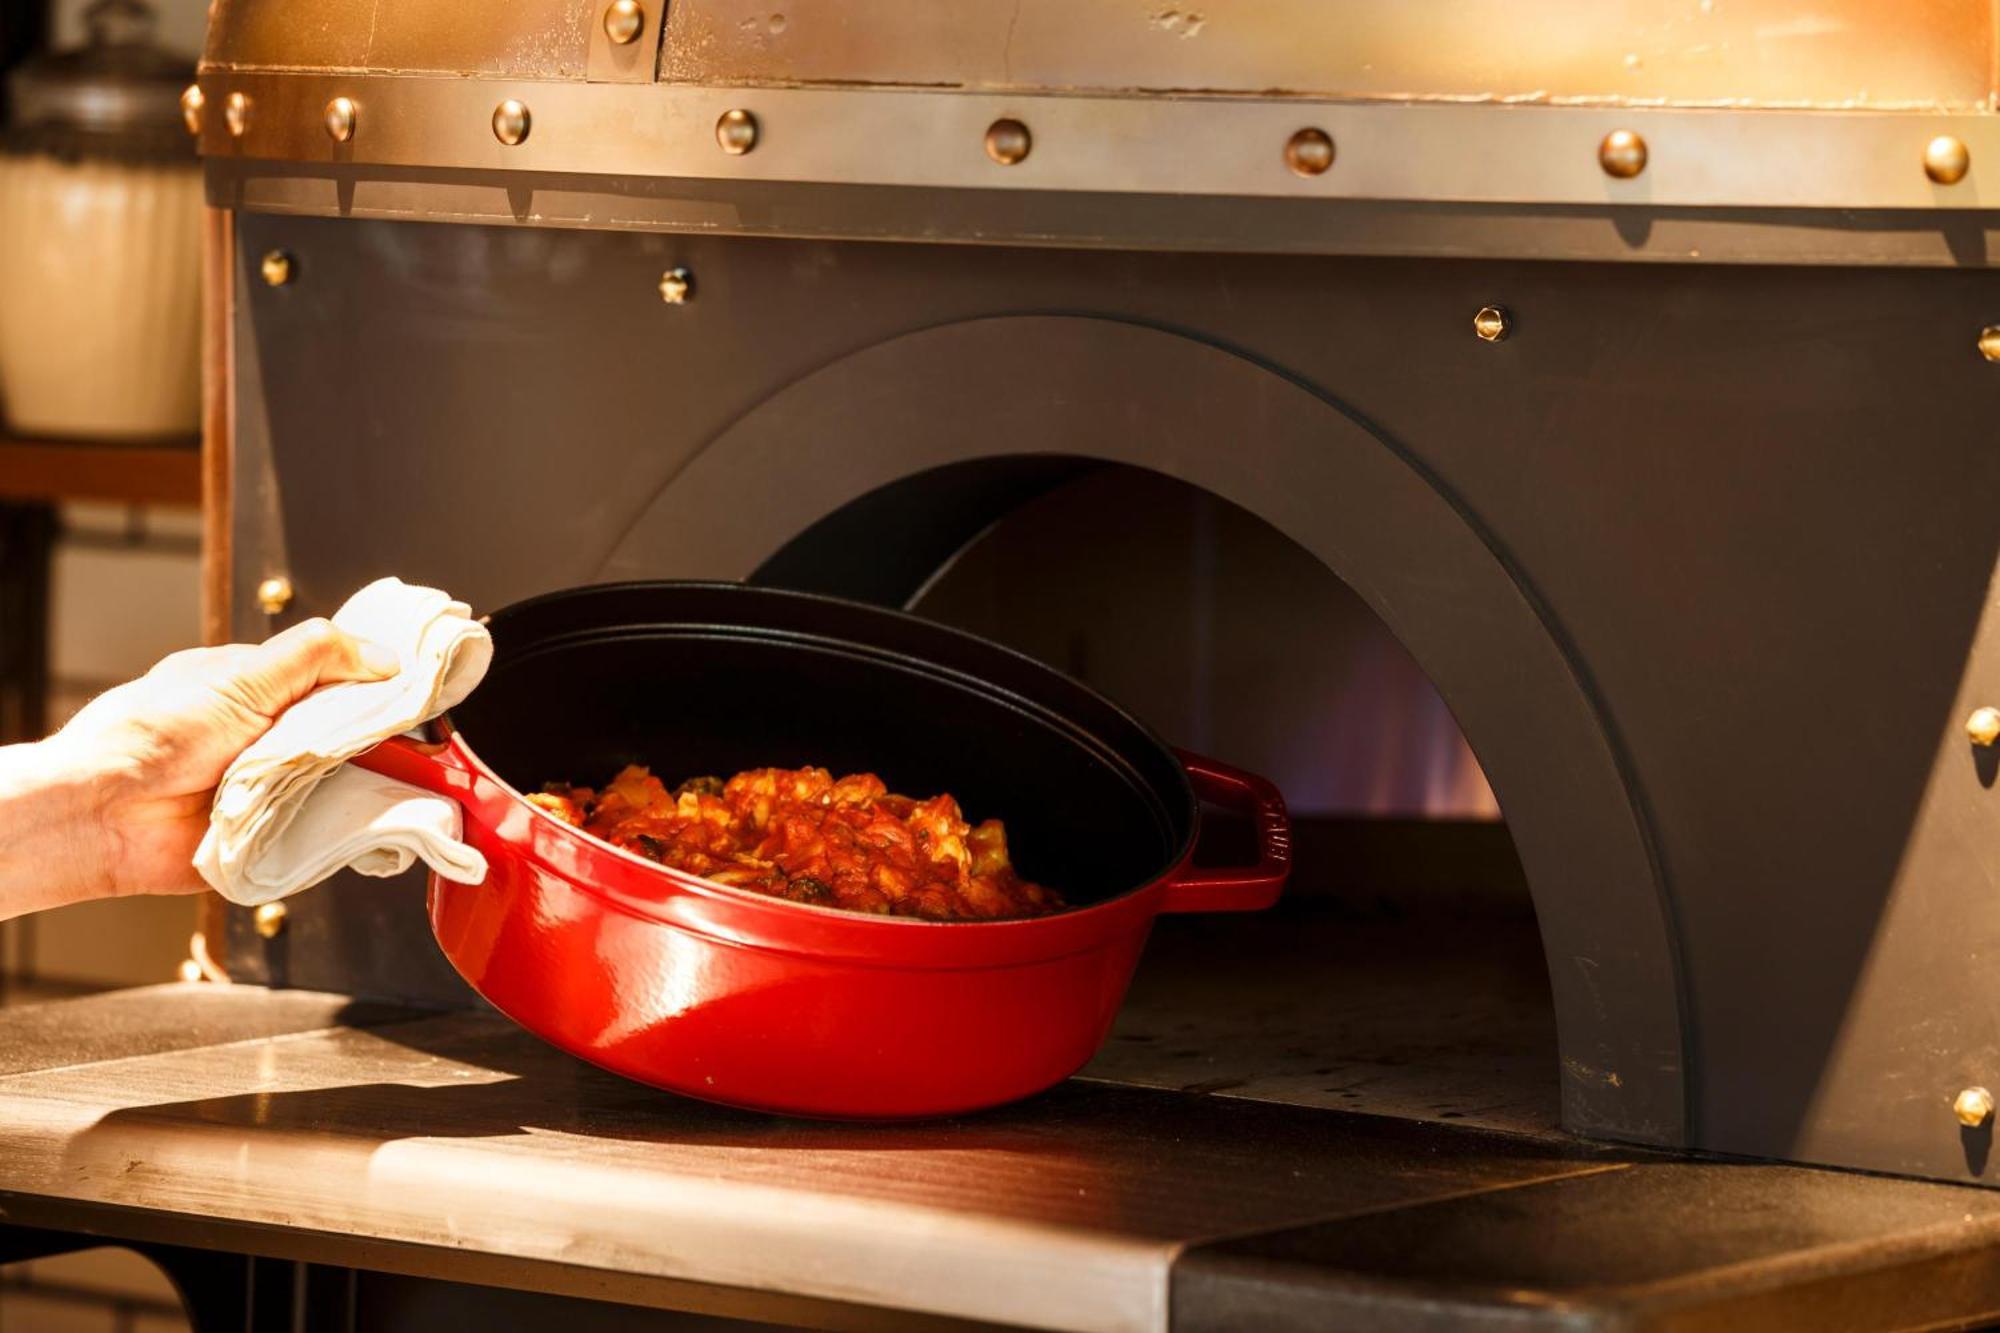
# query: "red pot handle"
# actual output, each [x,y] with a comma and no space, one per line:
[432,765]
[1235,888]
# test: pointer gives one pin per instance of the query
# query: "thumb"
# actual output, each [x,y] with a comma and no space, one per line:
[287,667]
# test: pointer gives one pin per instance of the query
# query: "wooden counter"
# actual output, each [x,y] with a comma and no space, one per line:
[52,470]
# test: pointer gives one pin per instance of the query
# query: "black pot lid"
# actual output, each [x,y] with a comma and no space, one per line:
[117,96]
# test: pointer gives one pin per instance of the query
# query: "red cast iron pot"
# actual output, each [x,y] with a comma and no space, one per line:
[735,997]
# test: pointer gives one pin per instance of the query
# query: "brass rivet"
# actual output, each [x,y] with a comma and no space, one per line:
[736,131]
[275,593]
[236,115]
[1983,727]
[340,116]
[270,920]
[1309,152]
[1973,1107]
[624,21]
[511,122]
[191,104]
[1946,159]
[1622,154]
[276,268]
[676,286]
[1492,324]
[1989,342]
[1008,142]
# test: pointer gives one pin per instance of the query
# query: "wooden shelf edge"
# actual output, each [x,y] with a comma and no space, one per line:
[168,473]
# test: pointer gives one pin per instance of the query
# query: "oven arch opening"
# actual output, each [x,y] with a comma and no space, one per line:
[868,475]
[1402,974]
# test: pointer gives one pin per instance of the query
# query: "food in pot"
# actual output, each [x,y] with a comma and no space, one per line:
[804,835]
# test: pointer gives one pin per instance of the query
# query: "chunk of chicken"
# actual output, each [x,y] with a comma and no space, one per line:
[804,835]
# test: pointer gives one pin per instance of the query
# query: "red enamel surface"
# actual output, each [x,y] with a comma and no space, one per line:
[736,997]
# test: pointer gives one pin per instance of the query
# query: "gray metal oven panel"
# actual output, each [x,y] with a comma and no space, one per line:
[1749,509]
[1658,1245]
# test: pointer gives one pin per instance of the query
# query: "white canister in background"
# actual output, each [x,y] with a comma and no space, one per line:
[100,268]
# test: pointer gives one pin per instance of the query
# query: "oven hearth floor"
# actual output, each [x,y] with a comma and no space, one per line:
[1426,1019]
[455,1148]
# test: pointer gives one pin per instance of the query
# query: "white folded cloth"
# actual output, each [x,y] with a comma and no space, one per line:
[288,814]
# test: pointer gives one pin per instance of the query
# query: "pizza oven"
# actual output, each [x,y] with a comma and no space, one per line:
[1620,384]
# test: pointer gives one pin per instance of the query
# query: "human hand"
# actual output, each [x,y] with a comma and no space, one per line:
[141,761]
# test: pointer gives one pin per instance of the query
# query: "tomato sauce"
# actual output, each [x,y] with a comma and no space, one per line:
[803,835]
